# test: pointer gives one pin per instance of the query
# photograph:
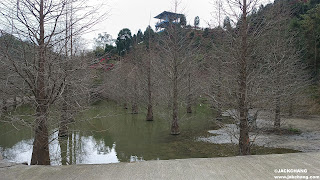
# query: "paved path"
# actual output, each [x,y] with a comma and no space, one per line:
[237,168]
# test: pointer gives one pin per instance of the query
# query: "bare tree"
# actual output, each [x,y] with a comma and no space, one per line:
[149,36]
[176,51]
[237,70]
[285,73]
[250,78]
[134,76]
[39,24]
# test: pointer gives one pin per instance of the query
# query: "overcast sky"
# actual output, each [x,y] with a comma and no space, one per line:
[135,15]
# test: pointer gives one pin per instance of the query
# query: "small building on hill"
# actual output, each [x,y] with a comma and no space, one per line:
[166,17]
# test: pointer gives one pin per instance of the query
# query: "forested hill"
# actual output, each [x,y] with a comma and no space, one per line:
[305,23]
[282,51]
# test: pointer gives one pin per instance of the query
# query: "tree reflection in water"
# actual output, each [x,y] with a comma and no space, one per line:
[107,133]
[73,149]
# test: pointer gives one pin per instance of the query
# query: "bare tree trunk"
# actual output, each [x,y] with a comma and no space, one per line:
[219,113]
[125,105]
[150,112]
[70,148]
[63,128]
[244,141]
[189,108]
[66,40]
[315,57]
[213,107]
[74,147]
[134,108]
[277,102]
[71,29]
[219,108]
[4,108]
[63,149]
[291,108]
[277,113]
[174,126]
[40,153]
[252,120]
[189,100]
[15,104]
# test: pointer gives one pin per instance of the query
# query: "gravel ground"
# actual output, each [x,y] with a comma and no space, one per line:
[307,141]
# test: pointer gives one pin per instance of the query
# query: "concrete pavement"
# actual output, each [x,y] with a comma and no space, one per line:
[237,168]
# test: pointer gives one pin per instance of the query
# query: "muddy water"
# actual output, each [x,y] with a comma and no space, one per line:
[107,133]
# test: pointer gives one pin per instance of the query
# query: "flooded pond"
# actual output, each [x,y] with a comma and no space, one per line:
[107,133]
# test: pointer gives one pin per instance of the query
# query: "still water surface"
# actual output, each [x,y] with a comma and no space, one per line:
[107,133]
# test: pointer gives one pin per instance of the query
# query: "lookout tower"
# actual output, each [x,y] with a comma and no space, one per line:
[165,18]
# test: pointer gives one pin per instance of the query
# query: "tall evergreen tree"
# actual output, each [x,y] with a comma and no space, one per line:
[196,21]
[124,41]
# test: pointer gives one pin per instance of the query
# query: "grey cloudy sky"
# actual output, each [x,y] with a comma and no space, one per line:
[135,14]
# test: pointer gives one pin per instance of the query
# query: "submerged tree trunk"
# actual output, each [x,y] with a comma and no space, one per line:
[75,147]
[125,105]
[134,109]
[63,141]
[70,146]
[244,141]
[150,111]
[40,152]
[189,107]
[64,121]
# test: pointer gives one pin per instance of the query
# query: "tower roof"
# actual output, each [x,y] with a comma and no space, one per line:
[171,15]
